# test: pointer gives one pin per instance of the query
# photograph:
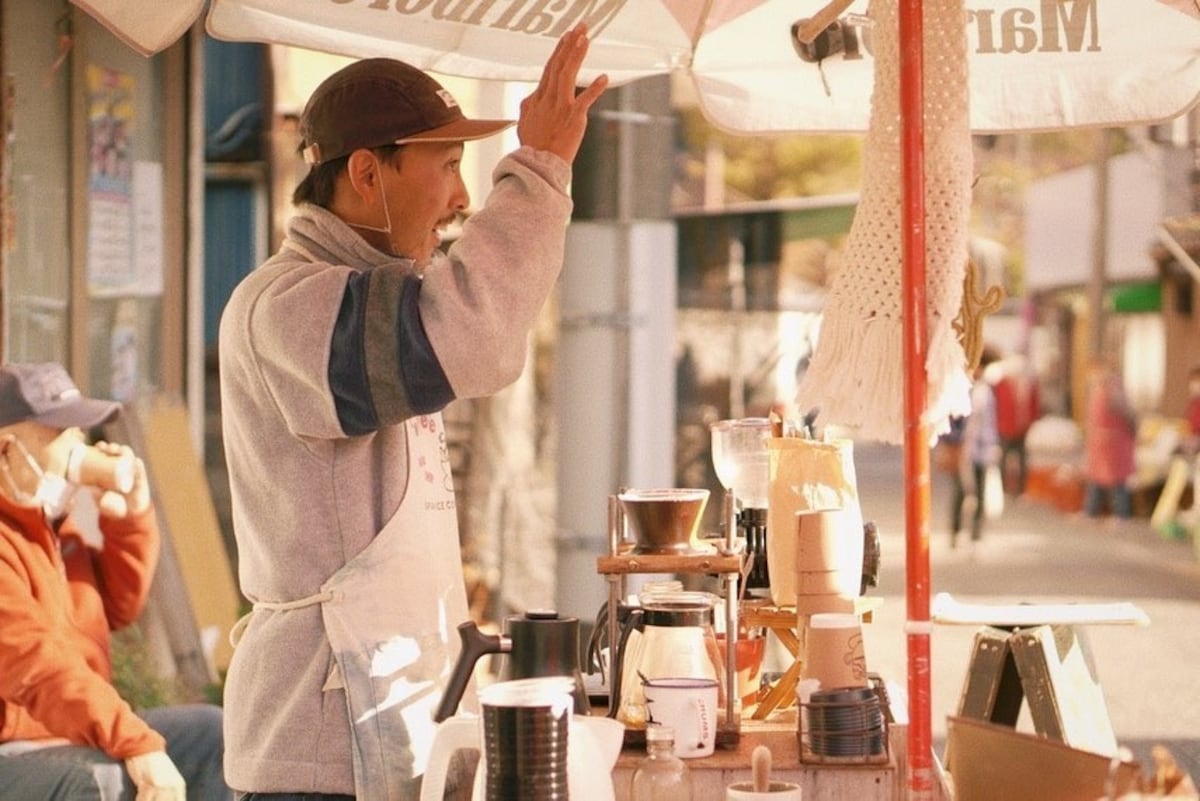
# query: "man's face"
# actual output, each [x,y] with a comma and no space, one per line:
[48,446]
[425,193]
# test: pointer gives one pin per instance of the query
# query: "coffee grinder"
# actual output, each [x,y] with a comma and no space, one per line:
[740,458]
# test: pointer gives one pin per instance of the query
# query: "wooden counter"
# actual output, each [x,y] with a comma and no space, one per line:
[818,782]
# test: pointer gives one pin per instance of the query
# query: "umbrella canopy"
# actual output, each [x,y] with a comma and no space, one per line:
[1034,64]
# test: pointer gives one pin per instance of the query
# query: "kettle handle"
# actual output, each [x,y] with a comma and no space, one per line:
[453,734]
[474,645]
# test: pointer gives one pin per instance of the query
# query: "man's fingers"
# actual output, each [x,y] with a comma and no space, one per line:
[554,65]
[551,68]
[592,93]
[562,70]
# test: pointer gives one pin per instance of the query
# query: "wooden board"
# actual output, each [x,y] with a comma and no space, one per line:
[988,762]
[948,609]
[186,512]
[1059,679]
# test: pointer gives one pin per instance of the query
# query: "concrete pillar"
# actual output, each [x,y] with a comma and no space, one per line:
[615,393]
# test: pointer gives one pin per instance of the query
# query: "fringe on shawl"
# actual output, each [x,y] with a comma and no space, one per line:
[857,374]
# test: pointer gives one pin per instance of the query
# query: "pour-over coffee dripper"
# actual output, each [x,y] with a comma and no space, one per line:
[665,521]
[742,463]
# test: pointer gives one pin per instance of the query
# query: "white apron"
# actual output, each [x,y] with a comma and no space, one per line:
[391,615]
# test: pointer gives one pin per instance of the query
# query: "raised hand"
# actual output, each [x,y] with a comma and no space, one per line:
[554,117]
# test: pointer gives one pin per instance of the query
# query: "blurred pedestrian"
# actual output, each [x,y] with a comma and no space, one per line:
[1110,433]
[1192,443]
[1018,404]
[979,454]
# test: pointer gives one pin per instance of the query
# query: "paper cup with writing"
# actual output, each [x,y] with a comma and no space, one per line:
[688,705]
[834,651]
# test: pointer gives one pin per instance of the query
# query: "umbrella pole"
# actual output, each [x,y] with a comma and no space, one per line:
[916,435]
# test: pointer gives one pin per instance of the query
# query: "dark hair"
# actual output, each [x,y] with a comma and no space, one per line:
[317,187]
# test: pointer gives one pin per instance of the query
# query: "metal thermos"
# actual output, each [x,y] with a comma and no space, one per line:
[537,644]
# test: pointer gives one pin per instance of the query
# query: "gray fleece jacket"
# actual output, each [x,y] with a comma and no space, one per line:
[324,351]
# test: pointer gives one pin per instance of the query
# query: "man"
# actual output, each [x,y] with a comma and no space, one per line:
[336,358]
[65,733]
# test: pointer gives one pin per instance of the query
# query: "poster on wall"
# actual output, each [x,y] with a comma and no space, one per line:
[123,354]
[124,197]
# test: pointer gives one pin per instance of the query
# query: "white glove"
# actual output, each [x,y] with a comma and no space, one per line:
[156,777]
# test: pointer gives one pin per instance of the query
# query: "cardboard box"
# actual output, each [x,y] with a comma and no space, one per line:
[991,762]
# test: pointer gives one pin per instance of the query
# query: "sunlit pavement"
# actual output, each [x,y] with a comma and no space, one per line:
[1034,553]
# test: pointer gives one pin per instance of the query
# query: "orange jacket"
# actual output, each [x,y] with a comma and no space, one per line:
[59,601]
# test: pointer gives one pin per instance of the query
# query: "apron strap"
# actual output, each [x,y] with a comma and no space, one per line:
[235,633]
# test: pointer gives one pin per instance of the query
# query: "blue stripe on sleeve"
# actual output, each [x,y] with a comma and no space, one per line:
[420,386]
[424,379]
[347,365]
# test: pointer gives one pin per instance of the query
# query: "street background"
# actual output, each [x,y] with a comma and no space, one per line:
[1034,553]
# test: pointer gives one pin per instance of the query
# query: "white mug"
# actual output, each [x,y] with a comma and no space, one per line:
[689,706]
[776,791]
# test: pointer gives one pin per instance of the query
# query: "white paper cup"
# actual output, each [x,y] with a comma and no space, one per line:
[776,791]
[689,706]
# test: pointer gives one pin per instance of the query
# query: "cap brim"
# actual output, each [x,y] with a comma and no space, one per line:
[459,131]
[84,413]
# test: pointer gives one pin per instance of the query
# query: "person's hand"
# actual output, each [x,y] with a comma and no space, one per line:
[554,118]
[117,504]
[156,777]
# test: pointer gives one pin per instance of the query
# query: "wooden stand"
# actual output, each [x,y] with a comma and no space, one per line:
[882,781]
[1039,654]
[726,560]
[1051,668]
[785,623]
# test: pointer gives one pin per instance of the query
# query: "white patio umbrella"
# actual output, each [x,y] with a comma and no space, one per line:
[1001,65]
[1034,64]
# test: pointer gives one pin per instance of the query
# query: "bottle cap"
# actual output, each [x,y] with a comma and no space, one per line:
[658,733]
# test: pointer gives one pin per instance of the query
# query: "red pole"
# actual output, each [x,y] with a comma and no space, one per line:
[916,433]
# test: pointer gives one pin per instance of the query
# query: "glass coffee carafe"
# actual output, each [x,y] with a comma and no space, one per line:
[675,639]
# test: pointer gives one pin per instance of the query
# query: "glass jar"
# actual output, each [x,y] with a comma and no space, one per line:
[661,776]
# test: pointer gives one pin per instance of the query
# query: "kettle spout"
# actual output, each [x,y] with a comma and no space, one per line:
[474,645]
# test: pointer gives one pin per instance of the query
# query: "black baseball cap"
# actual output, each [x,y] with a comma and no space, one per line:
[44,393]
[381,101]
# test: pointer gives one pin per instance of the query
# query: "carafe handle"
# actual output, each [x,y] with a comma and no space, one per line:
[474,645]
[453,734]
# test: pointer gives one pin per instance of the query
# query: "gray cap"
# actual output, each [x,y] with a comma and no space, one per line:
[44,393]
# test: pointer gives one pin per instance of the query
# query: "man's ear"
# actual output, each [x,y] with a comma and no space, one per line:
[362,168]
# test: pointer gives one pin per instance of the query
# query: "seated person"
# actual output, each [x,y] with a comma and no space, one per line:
[65,733]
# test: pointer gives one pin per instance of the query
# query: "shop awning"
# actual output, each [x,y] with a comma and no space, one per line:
[1143,296]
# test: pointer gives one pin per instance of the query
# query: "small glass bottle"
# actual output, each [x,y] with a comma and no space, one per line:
[661,776]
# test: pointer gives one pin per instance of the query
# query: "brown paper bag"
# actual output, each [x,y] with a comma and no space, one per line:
[813,519]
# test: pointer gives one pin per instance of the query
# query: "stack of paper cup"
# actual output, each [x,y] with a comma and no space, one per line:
[833,651]
[814,525]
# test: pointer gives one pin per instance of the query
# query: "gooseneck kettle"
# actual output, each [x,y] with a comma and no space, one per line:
[536,644]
